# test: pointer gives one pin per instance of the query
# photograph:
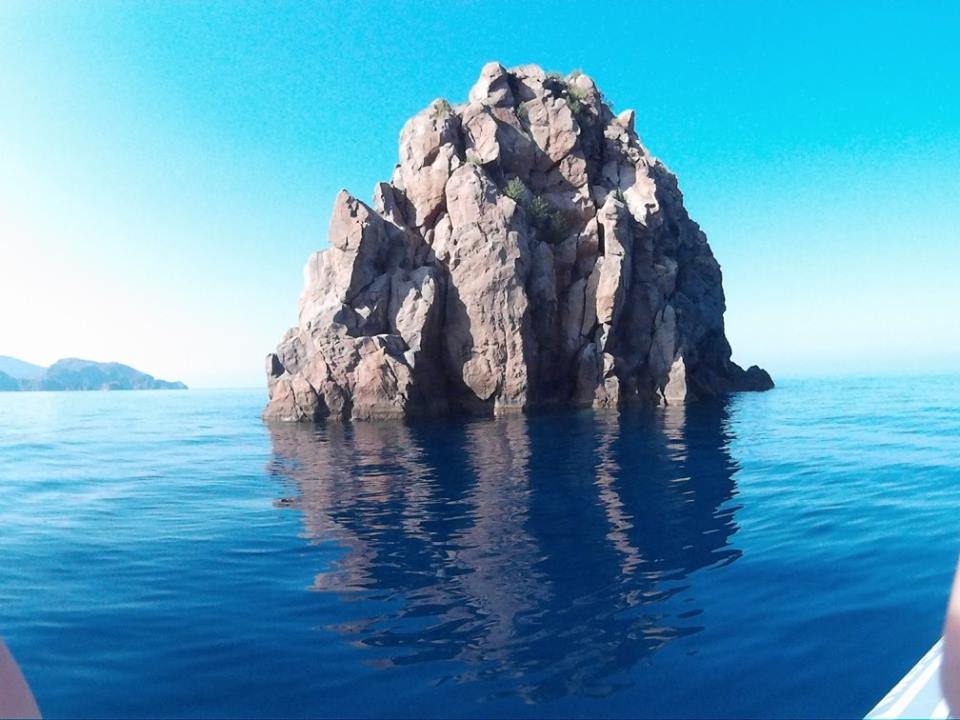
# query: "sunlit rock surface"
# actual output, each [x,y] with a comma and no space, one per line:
[527,252]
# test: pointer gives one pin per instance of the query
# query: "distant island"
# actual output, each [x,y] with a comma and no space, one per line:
[75,374]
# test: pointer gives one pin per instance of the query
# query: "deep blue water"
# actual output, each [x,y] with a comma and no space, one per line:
[778,554]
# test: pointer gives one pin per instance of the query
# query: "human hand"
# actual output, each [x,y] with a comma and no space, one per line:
[16,700]
[950,665]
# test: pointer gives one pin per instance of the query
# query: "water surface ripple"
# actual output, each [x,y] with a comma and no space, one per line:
[166,554]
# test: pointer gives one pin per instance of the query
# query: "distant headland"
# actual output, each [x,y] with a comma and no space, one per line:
[76,374]
[527,252]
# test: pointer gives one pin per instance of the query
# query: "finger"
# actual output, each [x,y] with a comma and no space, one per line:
[950,669]
[16,700]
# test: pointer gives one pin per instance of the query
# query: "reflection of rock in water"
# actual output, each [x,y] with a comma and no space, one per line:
[537,551]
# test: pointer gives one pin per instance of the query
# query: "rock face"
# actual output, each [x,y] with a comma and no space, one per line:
[528,252]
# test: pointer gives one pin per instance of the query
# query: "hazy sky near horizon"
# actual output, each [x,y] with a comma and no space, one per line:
[167,167]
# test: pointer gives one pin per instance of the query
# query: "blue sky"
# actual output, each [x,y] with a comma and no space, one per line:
[166,168]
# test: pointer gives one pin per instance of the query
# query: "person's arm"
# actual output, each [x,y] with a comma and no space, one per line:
[950,667]
[16,700]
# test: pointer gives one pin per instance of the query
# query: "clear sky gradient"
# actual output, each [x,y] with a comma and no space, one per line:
[166,168]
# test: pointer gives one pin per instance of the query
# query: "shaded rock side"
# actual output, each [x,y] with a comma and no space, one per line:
[527,252]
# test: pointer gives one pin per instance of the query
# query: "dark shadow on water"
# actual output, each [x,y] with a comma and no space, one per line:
[539,553]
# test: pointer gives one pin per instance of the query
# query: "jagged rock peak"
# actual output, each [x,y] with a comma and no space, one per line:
[527,252]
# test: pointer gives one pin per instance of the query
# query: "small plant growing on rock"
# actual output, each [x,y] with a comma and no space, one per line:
[550,224]
[441,108]
[576,98]
[515,190]
[554,84]
[539,210]
[566,88]
[473,158]
[557,229]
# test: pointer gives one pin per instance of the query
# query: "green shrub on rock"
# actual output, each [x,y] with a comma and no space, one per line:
[441,108]
[576,98]
[550,224]
[515,190]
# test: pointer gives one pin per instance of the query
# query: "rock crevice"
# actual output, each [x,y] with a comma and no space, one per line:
[528,252]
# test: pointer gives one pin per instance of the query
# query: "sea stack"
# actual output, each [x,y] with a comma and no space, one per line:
[527,253]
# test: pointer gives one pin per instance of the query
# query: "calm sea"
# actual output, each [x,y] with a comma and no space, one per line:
[781,554]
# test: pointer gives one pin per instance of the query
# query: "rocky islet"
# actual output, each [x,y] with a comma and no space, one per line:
[528,252]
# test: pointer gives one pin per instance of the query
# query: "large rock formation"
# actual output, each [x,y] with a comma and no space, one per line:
[527,252]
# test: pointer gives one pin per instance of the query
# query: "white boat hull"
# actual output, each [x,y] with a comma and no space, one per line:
[918,695]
